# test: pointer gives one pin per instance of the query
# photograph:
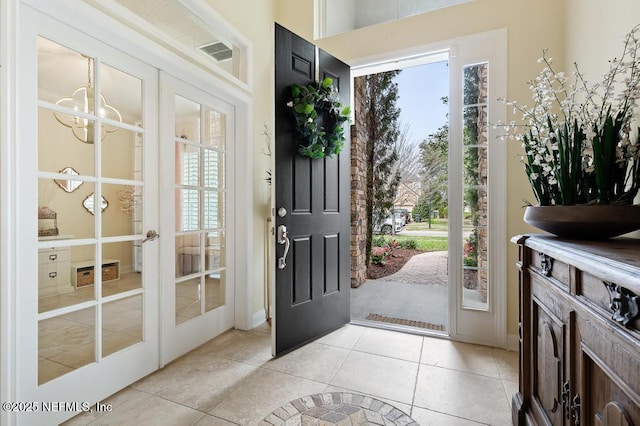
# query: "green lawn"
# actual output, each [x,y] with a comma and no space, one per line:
[422,243]
[436,225]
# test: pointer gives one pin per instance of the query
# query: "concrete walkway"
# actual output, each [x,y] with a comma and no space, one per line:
[415,295]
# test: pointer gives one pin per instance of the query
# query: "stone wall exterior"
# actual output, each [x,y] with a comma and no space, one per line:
[358,195]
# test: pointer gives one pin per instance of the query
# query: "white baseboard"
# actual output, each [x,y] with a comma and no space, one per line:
[513,342]
[258,318]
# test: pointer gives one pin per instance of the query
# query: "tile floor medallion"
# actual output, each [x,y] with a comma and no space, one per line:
[337,408]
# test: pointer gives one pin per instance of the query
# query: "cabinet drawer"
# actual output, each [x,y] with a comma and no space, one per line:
[53,274]
[54,256]
[47,276]
[550,267]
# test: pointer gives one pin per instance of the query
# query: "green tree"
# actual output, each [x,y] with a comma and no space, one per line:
[435,166]
[380,116]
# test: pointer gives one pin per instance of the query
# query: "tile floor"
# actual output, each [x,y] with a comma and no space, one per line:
[233,380]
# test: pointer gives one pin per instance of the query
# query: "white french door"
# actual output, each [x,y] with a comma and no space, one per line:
[87,280]
[477,190]
[198,134]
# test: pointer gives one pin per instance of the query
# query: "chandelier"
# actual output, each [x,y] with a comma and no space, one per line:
[83,100]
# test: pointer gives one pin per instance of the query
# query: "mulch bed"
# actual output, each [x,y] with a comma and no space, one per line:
[392,264]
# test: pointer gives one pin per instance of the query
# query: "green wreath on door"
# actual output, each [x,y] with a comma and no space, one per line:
[309,102]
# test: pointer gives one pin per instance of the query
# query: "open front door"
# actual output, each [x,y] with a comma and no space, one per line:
[312,204]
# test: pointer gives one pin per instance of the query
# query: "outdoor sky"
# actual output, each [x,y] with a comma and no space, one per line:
[419,90]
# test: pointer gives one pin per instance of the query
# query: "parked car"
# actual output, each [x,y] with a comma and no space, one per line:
[404,213]
[384,227]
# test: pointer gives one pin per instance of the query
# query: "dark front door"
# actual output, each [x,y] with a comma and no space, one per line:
[312,202]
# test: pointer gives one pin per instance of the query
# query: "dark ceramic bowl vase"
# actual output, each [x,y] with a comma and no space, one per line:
[584,222]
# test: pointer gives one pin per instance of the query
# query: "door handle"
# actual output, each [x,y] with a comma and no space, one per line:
[283,239]
[151,235]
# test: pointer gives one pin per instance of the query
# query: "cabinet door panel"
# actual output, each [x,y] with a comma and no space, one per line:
[603,400]
[548,356]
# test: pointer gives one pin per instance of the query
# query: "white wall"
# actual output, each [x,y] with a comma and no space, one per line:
[255,20]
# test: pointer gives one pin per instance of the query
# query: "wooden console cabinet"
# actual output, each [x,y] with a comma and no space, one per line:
[579,332]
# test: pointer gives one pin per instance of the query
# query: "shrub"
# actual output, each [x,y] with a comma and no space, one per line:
[379,254]
[409,244]
[378,241]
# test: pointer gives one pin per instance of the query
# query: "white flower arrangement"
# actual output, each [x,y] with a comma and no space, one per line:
[577,135]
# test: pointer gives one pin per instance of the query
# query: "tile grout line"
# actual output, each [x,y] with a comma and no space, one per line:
[415,385]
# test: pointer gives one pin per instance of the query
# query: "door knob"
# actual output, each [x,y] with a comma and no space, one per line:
[151,235]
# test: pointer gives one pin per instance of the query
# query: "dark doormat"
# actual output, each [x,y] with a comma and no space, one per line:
[401,321]
[337,408]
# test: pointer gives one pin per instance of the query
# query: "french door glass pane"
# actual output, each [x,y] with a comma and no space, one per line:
[65,342]
[188,212]
[213,169]
[475,174]
[187,164]
[214,290]
[58,149]
[121,97]
[60,280]
[121,324]
[187,119]
[215,244]
[214,210]
[188,254]
[121,267]
[61,215]
[187,300]
[118,219]
[214,129]
[122,155]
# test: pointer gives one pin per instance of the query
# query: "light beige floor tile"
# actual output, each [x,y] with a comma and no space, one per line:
[265,327]
[119,402]
[510,389]
[507,362]
[151,411]
[459,356]
[406,408]
[197,381]
[244,346]
[213,421]
[462,394]
[378,376]
[262,393]
[433,418]
[390,343]
[313,361]
[345,337]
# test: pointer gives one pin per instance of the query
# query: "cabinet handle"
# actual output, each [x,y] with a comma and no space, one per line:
[53,274]
[566,402]
[546,264]
[53,256]
[575,410]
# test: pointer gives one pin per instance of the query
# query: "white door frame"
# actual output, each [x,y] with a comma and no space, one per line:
[464,324]
[85,18]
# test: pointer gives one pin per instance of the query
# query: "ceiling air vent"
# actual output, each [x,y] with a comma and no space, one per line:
[218,51]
